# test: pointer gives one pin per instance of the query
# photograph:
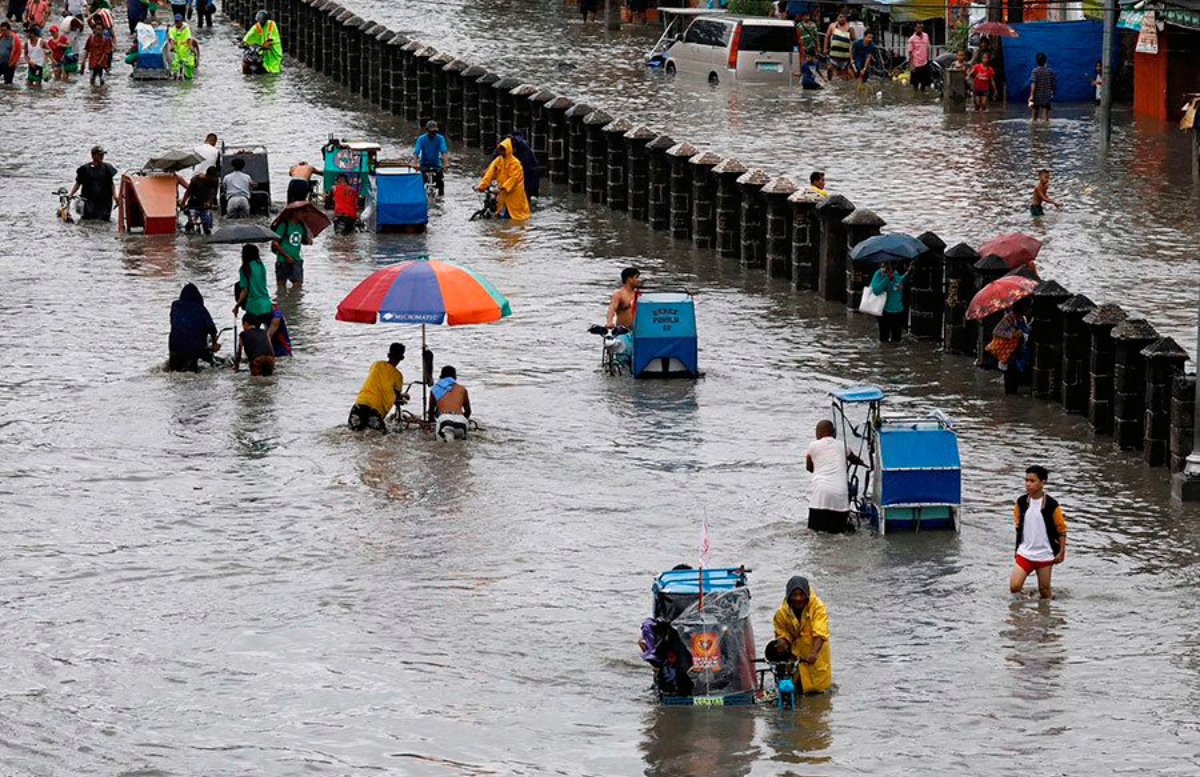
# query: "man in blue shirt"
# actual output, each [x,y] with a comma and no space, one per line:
[430,154]
[863,54]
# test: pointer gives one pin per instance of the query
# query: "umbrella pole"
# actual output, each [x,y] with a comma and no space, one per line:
[424,383]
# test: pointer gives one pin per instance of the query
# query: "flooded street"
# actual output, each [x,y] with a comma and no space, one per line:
[207,574]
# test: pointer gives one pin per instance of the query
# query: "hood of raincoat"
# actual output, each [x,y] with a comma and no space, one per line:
[795,583]
[191,294]
[505,147]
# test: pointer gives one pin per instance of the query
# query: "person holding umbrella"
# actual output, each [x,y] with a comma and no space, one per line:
[289,265]
[1009,344]
[891,321]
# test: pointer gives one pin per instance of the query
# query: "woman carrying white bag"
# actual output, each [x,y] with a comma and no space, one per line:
[884,299]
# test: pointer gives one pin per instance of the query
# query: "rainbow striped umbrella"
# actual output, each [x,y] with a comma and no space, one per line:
[424,292]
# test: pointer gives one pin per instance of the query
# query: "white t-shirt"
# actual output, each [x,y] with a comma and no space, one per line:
[828,490]
[209,153]
[76,7]
[1035,544]
[37,55]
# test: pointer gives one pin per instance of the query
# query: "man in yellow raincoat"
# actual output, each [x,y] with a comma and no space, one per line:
[265,36]
[802,628]
[506,170]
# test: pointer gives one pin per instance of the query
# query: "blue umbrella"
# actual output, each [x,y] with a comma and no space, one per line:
[888,248]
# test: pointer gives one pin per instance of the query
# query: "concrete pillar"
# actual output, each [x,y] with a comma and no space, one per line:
[425,71]
[412,98]
[440,101]
[539,127]
[486,86]
[638,163]
[504,107]
[577,146]
[704,198]
[1100,323]
[310,28]
[752,219]
[988,269]
[1076,345]
[860,225]
[959,334]
[305,22]
[470,110]
[328,38]
[560,135]
[340,71]
[955,91]
[1130,338]
[386,53]
[729,207]
[597,155]
[1045,342]
[925,289]
[660,182]
[522,110]
[806,238]
[1183,420]
[369,83]
[831,276]
[394,75]
[350,70]
[1196,152]
[681,189]
[362,35]
[617,187]
[779,226]
[1164,364]
[454,98]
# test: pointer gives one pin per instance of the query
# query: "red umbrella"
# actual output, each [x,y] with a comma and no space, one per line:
[996,28]
[998,295]
[306,213]
[1015,248]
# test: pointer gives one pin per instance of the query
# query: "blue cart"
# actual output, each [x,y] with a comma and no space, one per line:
[915,478]
[664,336]
[400,201]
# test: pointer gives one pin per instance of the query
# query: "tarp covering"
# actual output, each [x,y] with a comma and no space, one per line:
[150,48]
[920,466]
[912,10]
[664,326]
[1072,50]
[400,198]
[721,640]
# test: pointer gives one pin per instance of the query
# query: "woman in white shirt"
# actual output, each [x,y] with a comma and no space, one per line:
[829,493]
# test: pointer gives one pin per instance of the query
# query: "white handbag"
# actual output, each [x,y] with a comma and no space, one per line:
[871,303]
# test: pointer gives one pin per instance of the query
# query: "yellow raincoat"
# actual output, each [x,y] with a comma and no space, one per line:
[507,171]
[800,632]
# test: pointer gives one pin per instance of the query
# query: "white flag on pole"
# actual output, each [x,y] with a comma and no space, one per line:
[705,545]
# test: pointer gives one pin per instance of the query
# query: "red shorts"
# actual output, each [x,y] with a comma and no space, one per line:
[1029,566]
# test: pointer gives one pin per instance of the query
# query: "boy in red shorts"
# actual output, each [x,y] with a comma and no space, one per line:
[1041,533]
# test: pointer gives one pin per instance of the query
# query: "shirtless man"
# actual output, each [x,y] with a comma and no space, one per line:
[300,183]
[620,307]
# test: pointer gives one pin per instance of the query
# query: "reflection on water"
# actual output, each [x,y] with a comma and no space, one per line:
[696,742]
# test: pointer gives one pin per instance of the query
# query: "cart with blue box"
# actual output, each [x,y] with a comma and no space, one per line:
[400,201]
[354,159]
[148,60]
[914,479]
[664,336]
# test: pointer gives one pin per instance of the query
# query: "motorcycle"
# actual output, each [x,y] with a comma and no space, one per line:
[70,207]
[252,62]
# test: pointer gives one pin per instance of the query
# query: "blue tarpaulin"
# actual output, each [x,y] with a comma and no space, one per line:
[664,327]
[400,198]
[1072,50]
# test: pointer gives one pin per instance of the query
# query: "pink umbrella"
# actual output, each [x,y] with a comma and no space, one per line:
[1015,248]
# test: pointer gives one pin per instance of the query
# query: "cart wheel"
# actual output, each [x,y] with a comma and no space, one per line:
[713,79]
[671,68]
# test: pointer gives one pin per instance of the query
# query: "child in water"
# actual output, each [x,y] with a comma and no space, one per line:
[808,73]
[1041,194]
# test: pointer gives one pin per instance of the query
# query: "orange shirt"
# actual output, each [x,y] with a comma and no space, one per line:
[345,201]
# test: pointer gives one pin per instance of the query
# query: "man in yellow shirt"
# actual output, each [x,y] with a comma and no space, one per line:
[802,629]
[379,392]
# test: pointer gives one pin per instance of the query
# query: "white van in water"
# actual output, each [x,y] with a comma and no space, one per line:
[738,48]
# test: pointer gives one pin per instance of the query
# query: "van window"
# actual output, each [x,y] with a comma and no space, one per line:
[706,33]
[764,37]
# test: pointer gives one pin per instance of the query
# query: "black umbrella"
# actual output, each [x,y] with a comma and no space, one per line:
[243,233]
[177,159]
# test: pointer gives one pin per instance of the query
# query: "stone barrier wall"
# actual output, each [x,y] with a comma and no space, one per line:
[1092,359]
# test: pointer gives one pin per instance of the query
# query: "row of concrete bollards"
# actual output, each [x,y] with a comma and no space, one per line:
[1092,359]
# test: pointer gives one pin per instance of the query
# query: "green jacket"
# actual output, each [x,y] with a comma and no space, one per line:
[894,287]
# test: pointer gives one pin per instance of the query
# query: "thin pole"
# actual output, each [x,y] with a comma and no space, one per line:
[1192,468]
[424,383]
[1106,76]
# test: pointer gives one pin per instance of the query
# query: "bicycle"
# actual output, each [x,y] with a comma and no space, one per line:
[490,205]
[70,207]
[435,183]
[615,353]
